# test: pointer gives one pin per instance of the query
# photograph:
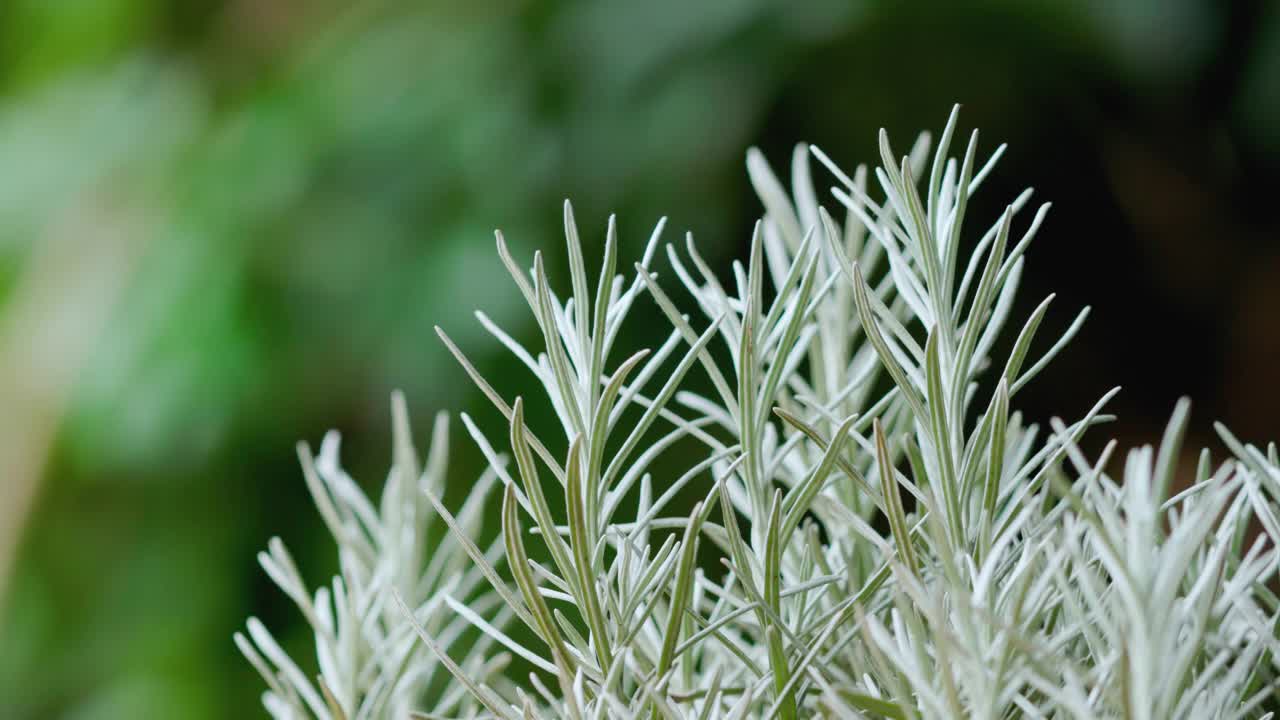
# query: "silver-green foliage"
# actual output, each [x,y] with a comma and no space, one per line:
[835,388]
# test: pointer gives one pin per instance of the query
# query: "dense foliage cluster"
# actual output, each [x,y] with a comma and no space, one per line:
[877,532]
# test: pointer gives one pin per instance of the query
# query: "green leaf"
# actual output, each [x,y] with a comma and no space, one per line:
[893,502]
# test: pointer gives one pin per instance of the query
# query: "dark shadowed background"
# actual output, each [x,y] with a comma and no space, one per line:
[226,225]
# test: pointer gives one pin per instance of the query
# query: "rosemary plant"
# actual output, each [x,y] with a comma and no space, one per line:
[891,539]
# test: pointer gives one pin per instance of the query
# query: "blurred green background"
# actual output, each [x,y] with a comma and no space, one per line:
[226,225]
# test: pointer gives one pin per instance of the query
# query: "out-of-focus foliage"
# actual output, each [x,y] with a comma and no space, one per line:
[297,191]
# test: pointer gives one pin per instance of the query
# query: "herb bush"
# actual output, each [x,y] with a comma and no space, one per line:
[879,532]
